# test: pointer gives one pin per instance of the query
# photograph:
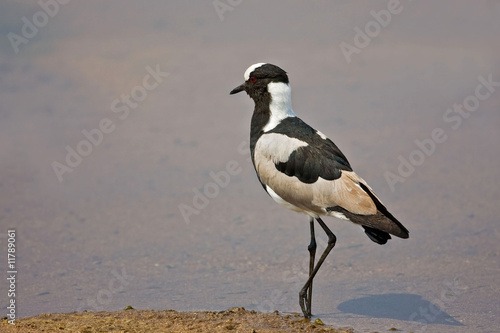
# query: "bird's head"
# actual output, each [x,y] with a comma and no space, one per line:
[257,80]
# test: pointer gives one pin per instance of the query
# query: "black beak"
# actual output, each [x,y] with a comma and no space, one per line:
[238,89]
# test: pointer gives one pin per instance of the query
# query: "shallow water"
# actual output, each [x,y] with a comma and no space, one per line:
[112,232]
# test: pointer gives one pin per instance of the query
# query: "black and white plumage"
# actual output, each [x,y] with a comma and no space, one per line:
[303,170]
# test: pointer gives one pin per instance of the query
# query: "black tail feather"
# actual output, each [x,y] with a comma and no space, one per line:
[403,231]
[378,236]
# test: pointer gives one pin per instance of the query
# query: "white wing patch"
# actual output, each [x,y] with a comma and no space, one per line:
[339,215]
[277,147]
[321,135]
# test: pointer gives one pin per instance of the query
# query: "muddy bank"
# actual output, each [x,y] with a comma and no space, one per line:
[232,320]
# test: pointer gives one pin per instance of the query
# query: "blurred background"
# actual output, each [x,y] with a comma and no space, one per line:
[125,171]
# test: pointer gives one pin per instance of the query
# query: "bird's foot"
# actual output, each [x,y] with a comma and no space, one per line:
[305,303]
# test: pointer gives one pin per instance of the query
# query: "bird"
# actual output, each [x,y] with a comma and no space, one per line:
[304,171]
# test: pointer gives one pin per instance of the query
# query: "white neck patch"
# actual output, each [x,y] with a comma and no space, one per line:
[251,69]
[281,104]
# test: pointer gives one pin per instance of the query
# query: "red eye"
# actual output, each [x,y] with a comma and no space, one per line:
[253,79]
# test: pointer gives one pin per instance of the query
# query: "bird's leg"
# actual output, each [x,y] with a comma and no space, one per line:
[302,294]
[312,254]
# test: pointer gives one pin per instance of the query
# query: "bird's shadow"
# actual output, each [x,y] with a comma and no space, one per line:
[407,307]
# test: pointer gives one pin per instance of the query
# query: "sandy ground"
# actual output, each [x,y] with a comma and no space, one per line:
[233,320]
[154,79]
